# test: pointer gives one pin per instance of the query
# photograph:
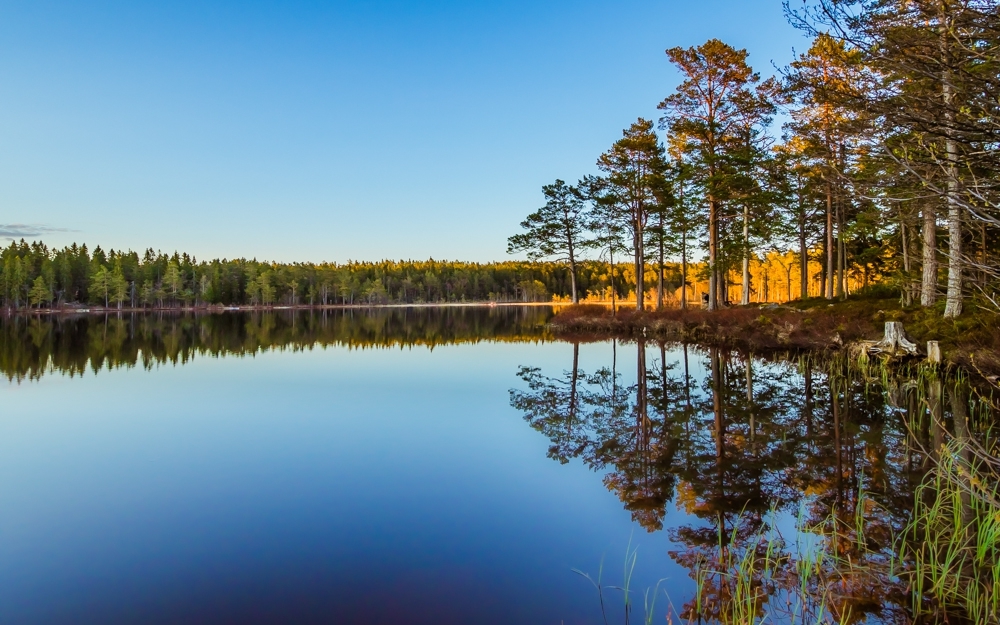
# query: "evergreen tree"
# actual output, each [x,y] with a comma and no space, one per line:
[40,293]
[555,231]
[635,183]
[706,111]
[100,285]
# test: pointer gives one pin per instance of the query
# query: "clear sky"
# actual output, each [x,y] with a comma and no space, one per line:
[328,130]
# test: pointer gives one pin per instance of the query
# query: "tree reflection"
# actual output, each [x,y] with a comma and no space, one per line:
[627,431]
[32,346]
[742,444]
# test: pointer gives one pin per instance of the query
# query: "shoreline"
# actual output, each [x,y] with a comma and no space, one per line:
[218,308]
[970,342]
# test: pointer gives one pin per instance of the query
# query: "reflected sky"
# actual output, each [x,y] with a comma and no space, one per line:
[377,486]
[423,466]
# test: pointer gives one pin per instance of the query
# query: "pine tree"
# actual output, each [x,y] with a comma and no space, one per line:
[605,223]
[100,285]
[635,181]
[826,85]
[117,285]
[173,281]
[39,293]
[555,231]
[935,92]
[706,110]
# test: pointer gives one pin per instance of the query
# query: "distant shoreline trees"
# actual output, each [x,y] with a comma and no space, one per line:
[33,276]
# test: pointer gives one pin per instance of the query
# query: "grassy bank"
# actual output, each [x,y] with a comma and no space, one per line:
[972,341]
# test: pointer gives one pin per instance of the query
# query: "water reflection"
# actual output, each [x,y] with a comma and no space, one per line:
[782,487]
[769,462]
[32,345]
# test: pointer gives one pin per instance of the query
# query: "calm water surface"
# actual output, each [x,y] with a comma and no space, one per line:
[400,466]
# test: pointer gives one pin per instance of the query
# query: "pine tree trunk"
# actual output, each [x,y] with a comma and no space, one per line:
[803,256]
[572,280]
[904,246]
[713,272]
[640,282]
[828,294]
[745,295]
[684,270]
[928,282]
[611,261]
[659,273]
[953,303]
[841,252]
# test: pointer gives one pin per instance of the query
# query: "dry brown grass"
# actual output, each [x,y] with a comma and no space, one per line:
[972,341]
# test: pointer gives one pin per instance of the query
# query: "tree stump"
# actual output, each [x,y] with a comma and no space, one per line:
[933,352]
[894,343]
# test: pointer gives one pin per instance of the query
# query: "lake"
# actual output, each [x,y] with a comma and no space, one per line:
[420,465]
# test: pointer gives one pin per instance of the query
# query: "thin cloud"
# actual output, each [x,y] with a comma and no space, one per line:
[26,231]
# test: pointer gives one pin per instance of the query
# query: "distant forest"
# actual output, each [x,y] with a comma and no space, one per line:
[35,276]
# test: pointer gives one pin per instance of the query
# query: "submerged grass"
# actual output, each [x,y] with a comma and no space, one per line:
[941,566]
[649,598]
[947,561]
[952,545]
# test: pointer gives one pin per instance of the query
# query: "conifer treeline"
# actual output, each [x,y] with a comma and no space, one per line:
[888,166]
[32,275]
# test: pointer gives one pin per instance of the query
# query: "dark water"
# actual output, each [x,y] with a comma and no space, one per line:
[407,466]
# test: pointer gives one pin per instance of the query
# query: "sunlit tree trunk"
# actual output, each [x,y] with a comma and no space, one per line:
[659,273]
[684,262]
[828,294]
[745,294]
[611,276]
[841,249]
[803,259]
[572,277]
[640,282]
[713,245]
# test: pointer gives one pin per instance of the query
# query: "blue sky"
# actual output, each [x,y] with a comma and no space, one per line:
[328,131]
